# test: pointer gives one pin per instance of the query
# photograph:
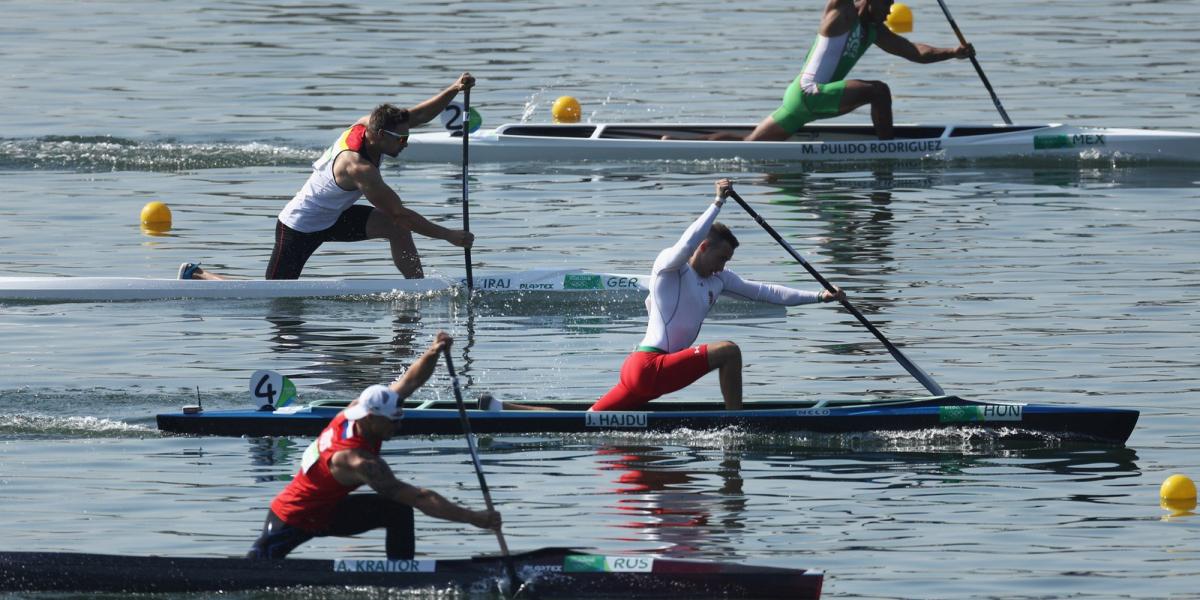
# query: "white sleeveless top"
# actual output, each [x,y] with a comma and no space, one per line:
[321,201]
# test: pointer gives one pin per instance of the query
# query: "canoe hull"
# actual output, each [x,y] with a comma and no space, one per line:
[821,143]
[1105,425]
[67,289]
[551,573]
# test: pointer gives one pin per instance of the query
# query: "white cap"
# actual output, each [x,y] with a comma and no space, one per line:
[376,400]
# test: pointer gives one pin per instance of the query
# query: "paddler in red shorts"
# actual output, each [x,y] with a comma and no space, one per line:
[318,502]
[686,281]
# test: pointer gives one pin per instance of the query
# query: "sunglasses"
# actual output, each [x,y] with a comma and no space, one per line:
[403,137]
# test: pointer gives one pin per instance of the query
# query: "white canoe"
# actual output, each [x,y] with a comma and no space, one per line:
[643,141]
[135,288]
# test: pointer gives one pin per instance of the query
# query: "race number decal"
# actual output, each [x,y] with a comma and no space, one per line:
[268,388]
[452,118]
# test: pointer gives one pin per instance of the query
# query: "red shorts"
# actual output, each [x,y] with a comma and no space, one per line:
[648,375]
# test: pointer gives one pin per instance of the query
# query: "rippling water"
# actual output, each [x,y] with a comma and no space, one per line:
[1058,283]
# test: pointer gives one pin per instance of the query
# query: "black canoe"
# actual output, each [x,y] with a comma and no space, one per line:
[1108,425]
[545,573]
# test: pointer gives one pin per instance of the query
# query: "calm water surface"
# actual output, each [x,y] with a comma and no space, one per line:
[1059,283]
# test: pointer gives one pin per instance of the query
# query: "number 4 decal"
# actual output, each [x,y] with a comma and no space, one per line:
[270,390]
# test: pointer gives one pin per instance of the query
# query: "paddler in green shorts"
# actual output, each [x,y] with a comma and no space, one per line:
[821,91]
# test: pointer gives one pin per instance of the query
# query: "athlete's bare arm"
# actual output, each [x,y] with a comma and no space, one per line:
[357,466]
[428,110]
[431,108]
[838,18]
[360,172]
[418,373]
[919,53]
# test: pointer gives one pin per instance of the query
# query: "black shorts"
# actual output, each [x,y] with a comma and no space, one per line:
[355,514]
[292,248]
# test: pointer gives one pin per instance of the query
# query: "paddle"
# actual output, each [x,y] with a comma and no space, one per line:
[466,133]
[908,365]
[978,69]
[487,495]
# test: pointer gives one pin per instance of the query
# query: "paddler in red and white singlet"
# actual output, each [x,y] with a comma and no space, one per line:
[686,281]
[318,502]
[324,210]
[821,91]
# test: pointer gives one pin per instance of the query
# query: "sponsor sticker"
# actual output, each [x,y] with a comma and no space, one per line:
[812,412]
[577,281]
[384,566]
[1051,142]
[592,563]
[616,419]
[977,414]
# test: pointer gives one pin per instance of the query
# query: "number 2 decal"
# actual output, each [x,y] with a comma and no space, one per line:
[452,117]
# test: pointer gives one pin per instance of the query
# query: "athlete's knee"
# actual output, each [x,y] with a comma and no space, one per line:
[397,233]
[880,92]
[725,354]
[399,515]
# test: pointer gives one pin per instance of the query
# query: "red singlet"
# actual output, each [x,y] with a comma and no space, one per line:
[648,375]
[308,501]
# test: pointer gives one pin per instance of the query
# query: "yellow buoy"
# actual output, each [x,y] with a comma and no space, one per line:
[156,213]
[1178,495]
[1177,487]
[566,110]
[900,19]
[156,218]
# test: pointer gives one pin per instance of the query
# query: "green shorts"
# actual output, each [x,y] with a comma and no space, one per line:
[799,108]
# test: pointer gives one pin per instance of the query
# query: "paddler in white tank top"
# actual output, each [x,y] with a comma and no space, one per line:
[324,210]
[686,281]
[821,91]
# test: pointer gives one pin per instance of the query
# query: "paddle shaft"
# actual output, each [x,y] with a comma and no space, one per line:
[978,69]
[466,205]
[908,365]
[483,486]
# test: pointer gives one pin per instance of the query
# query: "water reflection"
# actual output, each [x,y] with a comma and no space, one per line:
[272,458]
[1074,461]
[336,347]
[668,496]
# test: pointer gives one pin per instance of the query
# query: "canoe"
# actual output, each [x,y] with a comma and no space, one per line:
[135,288]
[518,142]
[1106,425]
[547,573]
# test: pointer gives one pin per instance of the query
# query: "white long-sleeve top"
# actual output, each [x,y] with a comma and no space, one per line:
[680,298]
